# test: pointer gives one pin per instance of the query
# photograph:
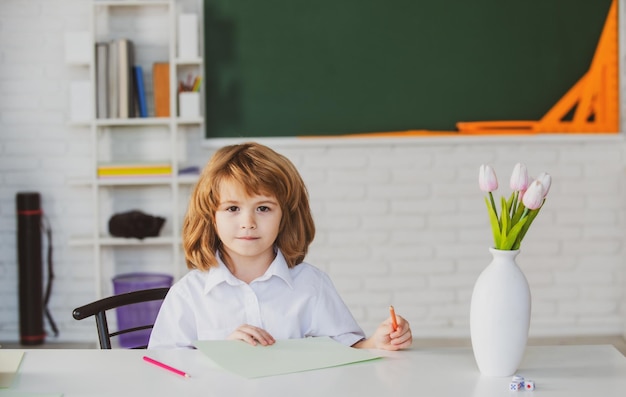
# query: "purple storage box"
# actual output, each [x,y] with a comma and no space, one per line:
[138,314]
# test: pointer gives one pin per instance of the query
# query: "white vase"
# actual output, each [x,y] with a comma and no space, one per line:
[500,315]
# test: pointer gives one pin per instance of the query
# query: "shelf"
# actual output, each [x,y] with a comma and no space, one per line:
[183,179]
[194,121]
[130,3]
[188,179]
[139,121]
[150,25]
[139,181]
[121,241]
[133,122]
[192,61]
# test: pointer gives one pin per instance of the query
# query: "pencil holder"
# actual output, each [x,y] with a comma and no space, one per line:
[189,105]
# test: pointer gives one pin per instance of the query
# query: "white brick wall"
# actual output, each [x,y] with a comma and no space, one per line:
[399,221]
[416,233]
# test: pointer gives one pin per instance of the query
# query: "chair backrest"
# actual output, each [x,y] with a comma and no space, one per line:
[99,309]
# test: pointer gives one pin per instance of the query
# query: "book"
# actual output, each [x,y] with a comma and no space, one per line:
[113,84]
[138,172]
[124,79]
[133,107]
[134,169]
[140,91]
[102,76]
[142,164]
[161,88]
[10,361]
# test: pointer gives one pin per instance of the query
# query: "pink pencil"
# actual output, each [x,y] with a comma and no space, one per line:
[165,366]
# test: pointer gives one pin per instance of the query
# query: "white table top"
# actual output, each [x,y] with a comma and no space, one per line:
[570,371]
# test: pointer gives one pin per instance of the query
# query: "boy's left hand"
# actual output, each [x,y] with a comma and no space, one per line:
[386,338]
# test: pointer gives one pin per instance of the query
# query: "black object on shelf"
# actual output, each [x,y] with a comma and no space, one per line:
[135,224]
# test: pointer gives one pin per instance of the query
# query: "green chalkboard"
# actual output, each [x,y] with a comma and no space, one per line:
[331,67]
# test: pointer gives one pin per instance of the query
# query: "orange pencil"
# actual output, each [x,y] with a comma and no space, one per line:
[394,320]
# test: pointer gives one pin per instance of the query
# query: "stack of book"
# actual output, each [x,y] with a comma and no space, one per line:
[120,91]
[134,170]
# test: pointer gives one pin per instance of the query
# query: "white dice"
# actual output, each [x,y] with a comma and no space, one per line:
[519,383]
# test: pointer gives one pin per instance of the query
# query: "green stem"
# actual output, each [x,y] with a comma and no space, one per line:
[526,211]
[514,204]
[493,203]
[532,214]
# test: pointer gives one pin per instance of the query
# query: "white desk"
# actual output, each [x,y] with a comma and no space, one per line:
[557,371]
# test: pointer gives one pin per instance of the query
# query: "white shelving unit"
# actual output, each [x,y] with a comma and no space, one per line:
[152,26]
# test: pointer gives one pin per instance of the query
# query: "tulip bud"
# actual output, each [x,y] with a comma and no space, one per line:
[533,197]
[519,178]
[487,180]
[546,181]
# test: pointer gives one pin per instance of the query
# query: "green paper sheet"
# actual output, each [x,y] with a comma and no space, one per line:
[283,357]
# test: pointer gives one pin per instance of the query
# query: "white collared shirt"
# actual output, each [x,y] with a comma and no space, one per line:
[288,303]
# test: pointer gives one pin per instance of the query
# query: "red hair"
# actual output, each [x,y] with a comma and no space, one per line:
[259,170]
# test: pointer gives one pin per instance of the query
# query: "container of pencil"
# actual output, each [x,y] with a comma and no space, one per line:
[138,314]
[189,105]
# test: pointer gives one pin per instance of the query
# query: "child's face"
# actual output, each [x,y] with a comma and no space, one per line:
[247,226]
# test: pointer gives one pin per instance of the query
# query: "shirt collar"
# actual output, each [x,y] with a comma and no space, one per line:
[221,274]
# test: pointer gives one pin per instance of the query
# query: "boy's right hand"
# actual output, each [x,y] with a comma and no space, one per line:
[252,335]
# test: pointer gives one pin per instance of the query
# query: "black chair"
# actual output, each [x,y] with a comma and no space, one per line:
[99,309]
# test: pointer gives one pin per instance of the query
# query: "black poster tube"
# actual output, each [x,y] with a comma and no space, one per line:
[30,268]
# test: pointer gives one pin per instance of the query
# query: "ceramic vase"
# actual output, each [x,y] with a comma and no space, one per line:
[500,315]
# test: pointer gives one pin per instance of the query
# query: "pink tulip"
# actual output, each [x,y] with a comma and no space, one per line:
[487,180]
[533,197]
[546,181]
[519,178]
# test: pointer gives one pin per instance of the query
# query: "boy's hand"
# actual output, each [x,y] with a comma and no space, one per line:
[252,335]
[401,338]
[386,338]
